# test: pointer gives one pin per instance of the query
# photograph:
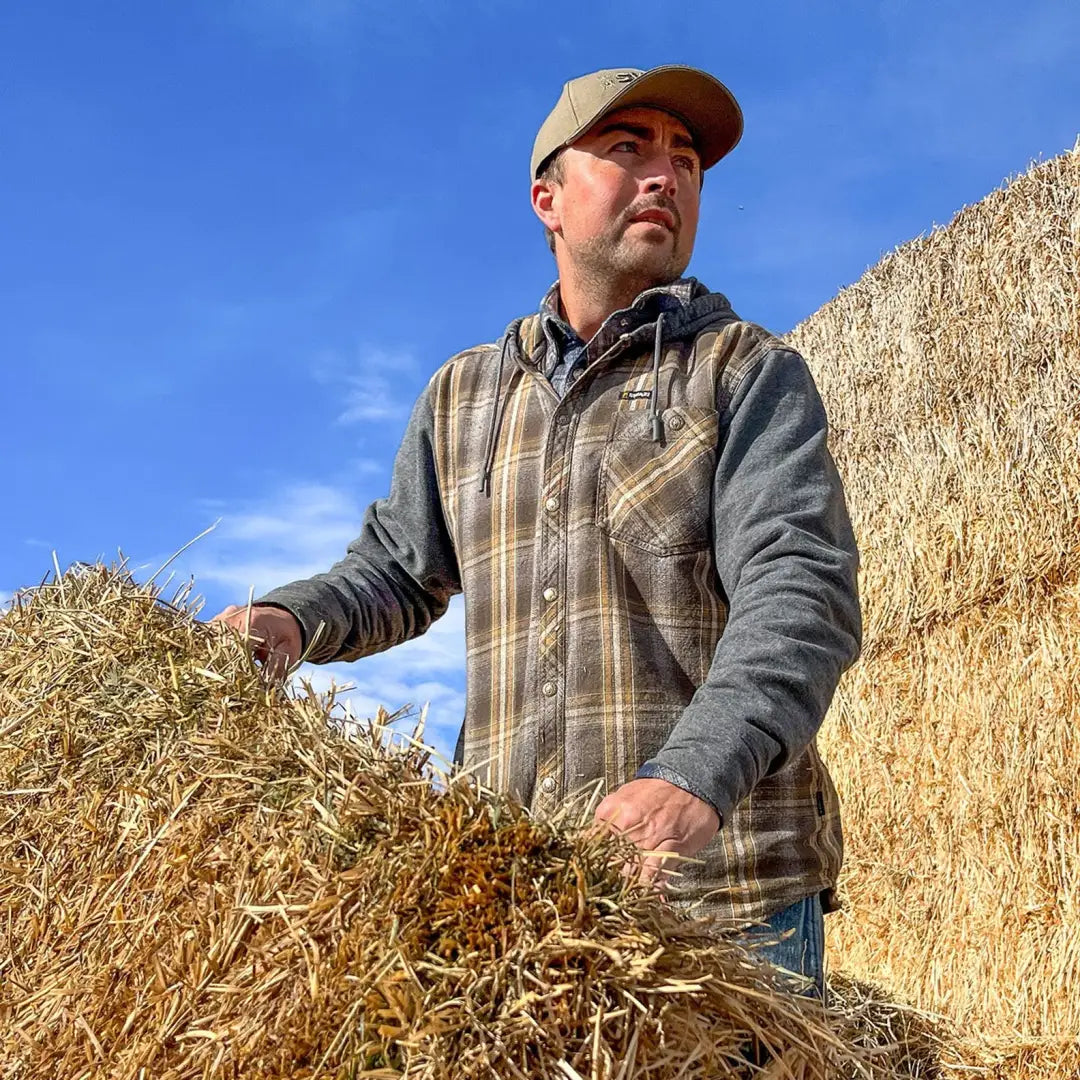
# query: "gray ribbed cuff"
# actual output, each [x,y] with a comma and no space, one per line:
[651,771]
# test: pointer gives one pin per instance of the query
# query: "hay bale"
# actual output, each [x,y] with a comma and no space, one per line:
[203,876]
[951,372]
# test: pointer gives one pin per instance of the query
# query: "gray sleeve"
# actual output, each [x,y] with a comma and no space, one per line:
[397,576]
[787,560]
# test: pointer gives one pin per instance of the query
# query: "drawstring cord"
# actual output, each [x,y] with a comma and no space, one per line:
[496,419]
[654,398]
[655,412]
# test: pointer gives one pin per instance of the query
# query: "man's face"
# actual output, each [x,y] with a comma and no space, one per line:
[628,199]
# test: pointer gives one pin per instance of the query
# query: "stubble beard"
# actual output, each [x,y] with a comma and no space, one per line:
[611,265]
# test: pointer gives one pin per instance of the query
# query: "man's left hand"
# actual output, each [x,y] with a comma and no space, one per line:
[658,816]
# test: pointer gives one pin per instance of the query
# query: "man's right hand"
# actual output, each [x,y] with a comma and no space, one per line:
[275,635]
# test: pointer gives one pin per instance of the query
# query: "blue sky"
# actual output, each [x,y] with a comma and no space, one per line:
[239,236]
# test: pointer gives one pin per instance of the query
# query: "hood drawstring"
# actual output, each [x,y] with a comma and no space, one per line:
[654,398]
[496,419]
[656,414]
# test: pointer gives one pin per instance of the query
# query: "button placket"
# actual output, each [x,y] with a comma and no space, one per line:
[549,568]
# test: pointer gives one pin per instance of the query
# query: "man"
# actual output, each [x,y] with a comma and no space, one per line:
[633,490]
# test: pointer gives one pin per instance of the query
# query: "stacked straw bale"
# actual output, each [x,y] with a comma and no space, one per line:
[204,876]
[951,372]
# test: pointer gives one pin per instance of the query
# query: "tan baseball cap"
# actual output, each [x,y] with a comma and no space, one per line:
[703,103]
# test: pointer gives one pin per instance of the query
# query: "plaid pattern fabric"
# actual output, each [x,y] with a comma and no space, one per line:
[566,354]
[592,602]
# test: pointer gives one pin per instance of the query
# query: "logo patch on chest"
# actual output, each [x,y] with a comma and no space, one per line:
[634,395]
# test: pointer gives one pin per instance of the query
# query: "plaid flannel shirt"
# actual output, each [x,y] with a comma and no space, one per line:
[652,587]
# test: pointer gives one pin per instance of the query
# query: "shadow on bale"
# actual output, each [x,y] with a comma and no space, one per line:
[909,1042]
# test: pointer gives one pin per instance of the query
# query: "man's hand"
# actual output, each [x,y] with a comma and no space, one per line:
[658,816]
[275,635]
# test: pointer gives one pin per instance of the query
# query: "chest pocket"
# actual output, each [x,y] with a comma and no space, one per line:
[657,496]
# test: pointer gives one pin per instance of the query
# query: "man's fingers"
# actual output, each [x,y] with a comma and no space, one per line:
[603,827]
[236,616]
[632,830]
[647,870]
[657,871]
[223,616]
[275,638]
[648,866]
[276,666]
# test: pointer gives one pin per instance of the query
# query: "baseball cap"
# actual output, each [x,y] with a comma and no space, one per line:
[701,101]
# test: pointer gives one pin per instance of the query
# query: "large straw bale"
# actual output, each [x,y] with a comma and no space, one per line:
[951,372]
[203,876]
[963,873]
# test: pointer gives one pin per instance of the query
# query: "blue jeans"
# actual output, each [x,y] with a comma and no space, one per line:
[802,951]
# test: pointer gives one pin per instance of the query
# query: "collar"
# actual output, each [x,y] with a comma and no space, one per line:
[559,335]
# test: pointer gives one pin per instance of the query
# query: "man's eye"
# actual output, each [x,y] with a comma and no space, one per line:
[626,144]
[686,163]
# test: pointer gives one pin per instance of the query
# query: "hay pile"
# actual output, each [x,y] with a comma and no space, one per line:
[202,876]
[951,372]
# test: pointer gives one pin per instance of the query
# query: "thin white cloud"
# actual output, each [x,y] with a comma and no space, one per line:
[296,532]
[370,384]
[5,598]
[371,399]
[375,681]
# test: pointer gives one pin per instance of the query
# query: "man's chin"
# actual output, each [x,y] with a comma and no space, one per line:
[656,262]
[641,261]
[650,235]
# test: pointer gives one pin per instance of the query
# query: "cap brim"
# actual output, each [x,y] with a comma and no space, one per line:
[702,102]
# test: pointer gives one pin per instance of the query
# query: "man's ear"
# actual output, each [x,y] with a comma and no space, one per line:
[545,204]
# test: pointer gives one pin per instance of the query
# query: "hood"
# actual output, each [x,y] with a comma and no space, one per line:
[686,320]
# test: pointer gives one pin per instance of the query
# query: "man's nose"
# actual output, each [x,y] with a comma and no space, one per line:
[662,176]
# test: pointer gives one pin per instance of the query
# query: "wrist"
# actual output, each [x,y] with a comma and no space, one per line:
[652,770]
